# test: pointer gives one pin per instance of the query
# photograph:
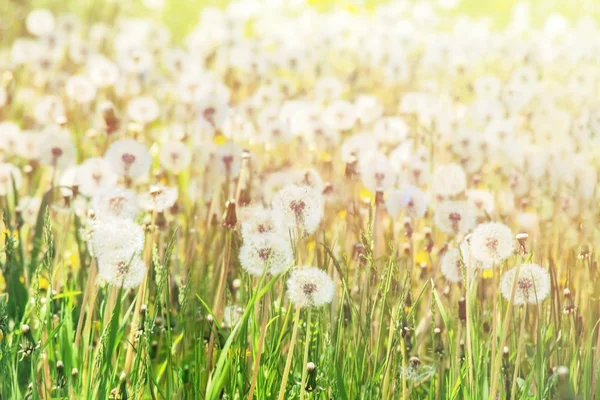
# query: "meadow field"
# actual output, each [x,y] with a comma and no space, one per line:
[299,199]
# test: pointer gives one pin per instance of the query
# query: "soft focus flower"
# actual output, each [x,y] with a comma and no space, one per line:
[299,208]
[128,158]
[449,180]
[80,89]
[454,217]
[40,22]
[410,198]
[532,286]
[228,159]
[451,266]
[143,110]
[482,200]
[492,242]
[376,172]
[310,287]
[158,198]
[467,256]
[118,269]
[266,252]
[57,149]
[116,236]
[175,156]
[259,221]
[94,174]
[114,202]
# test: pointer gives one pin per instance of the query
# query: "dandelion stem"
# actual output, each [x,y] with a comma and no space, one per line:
[305,359]
[505,325]
[85,307]
[290,355]
[519,351]
[261,339]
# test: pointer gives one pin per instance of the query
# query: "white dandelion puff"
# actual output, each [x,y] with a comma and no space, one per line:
[310,287]
[454,217]
[492,242]
[451,266]
[449,180]
[40,22]
[376,172]
[260,221]
[129,158]
[533,284]
[482,200]
[119,269]
[114,202]
[114,235]
[263,252]
[158,198]
[57,149]
[467,256]
[175,156]
[94,174]
[299,208]
[143,110]
[410,198]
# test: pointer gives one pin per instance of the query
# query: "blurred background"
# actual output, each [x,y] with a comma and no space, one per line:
[180,16]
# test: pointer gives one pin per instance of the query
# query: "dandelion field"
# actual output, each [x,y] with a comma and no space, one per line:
[299,200]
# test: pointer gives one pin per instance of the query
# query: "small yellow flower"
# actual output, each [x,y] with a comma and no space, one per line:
[366,194]
[421,257]
[342,214]
[487,273]
[219,139]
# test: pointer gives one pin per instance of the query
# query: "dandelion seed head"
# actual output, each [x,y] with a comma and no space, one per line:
[492,242]
[266,252]
[409,198]
[451,266]
[376,171]
[467,256]
[122,270]
[115,202]
[532,286]
[298,208]
[310,287]
[94,174]
[57,148]
[260,221]
[116,236]
[40,22]
[449,180]
[454,217]
[158,198]
[80,89]
[128,158]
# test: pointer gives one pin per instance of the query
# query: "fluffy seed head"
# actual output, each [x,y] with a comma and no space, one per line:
[533,284]
[115,202]
[158,198]
[492,242]
[310,287]
[299,208]
[129,158]
[116,236]
[449,180]
[267,251]
[454,217]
